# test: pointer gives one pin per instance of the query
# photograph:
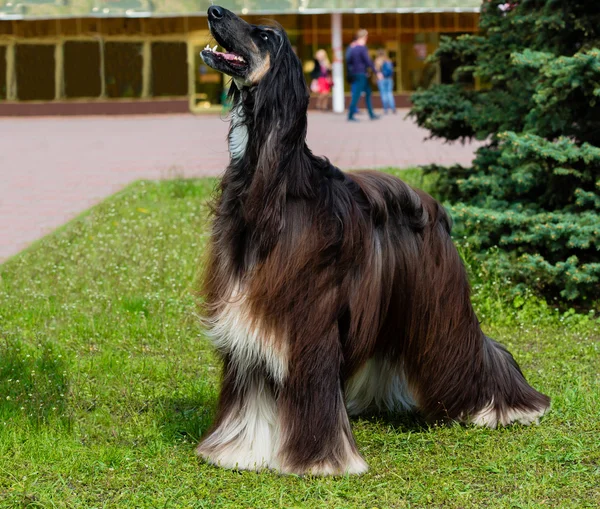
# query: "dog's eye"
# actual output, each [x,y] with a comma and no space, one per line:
[264,36]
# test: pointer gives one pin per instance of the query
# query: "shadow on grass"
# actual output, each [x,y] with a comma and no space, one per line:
[33,382]
[401,422]
[186,419]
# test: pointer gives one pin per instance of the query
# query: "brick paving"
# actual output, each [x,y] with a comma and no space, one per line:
[53,168]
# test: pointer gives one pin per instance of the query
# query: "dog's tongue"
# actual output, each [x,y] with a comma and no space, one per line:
[229,56]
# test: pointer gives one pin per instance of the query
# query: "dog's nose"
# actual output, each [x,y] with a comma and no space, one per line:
[215,12]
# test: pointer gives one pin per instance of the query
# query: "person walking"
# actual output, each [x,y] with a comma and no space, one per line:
[359,63]
[349,74]
[321,79]
[385,81]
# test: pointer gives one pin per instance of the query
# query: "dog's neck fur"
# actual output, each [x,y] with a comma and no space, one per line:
[270,164]
[238,134]
[261,136]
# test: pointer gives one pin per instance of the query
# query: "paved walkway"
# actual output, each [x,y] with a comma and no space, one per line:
[53,168]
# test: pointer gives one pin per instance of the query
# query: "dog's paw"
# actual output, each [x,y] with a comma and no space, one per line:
[233,458]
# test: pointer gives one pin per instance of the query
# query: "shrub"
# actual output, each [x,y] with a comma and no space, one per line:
[534,187]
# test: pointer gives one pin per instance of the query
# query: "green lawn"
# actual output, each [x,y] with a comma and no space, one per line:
[107,383]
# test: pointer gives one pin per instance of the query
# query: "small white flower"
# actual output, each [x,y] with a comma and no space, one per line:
[506,7]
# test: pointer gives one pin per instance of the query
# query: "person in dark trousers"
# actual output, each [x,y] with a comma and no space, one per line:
[349,75]
[359,64]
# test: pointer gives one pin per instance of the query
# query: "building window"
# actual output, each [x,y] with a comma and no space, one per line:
[35,72]
[3,73]
[82,69]
[169,69]
[123,69]
[416,72]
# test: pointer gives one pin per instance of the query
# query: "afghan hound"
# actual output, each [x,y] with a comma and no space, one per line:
[329,294]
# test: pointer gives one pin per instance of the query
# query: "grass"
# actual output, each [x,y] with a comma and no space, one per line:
[107,383]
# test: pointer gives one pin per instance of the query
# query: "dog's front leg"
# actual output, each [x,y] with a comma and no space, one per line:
[315,432]
[244,435]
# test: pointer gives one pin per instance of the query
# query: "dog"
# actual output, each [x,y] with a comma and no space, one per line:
[329,294]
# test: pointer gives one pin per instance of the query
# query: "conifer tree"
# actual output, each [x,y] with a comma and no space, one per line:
[534,187]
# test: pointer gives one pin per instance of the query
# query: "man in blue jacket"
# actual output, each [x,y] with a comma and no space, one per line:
[359,63]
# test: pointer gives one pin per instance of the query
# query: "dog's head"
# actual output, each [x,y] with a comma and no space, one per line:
[250,50]
[269,93]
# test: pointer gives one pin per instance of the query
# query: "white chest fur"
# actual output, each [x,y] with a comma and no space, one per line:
[238,136]
[236,332]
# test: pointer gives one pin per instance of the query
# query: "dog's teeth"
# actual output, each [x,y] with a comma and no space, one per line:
[215,48]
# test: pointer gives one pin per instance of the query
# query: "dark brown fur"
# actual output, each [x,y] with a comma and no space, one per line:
[340,268]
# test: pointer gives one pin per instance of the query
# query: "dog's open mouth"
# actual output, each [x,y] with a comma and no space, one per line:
[227,62]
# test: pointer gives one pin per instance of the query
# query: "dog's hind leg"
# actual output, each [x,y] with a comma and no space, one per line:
[315,431]
[456,370]
[485,388]
[244,435]
[379,385]
[511,399]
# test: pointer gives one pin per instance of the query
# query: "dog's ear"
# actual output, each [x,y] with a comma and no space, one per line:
[279,129]
[280,104]
[282,94]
